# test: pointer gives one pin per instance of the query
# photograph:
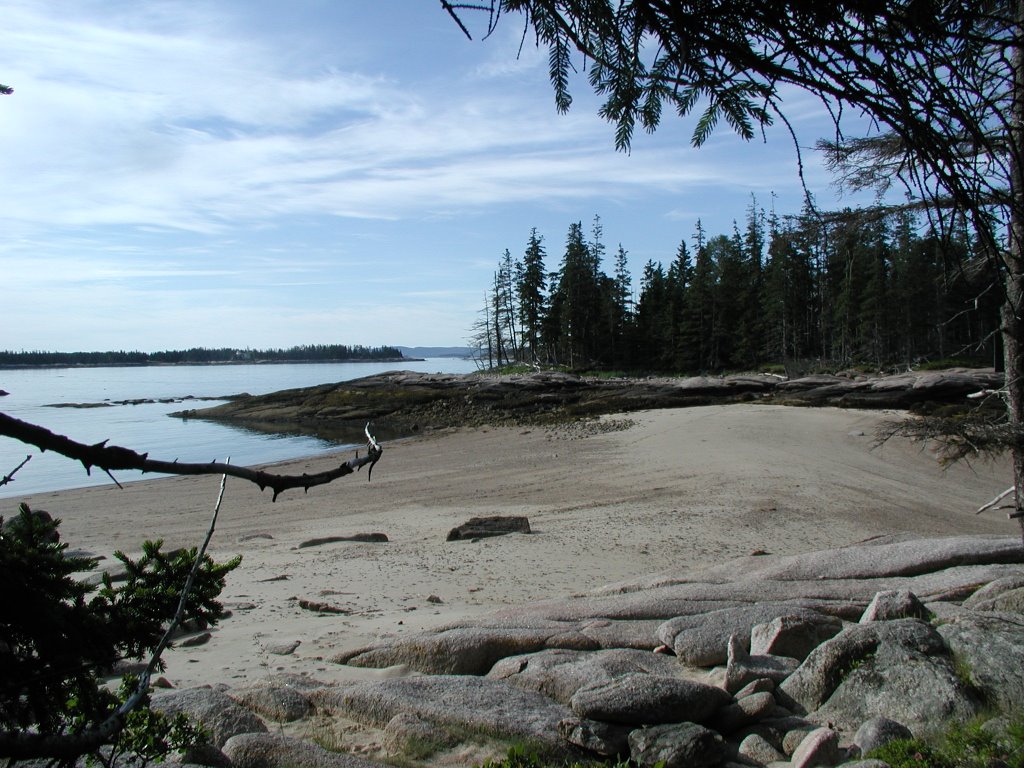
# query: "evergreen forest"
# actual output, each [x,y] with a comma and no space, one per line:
[873,288]
[307,353]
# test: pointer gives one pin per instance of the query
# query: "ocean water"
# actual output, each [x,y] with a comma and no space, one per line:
[146,427]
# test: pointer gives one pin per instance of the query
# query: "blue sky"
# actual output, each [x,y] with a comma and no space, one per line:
[263,174]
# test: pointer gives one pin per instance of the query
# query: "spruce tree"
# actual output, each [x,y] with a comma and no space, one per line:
[577,297]
[680,275]
[701,309]
[531,290]
[653,319]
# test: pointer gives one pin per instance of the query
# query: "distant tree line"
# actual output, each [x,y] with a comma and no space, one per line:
[316,353]
[869,287]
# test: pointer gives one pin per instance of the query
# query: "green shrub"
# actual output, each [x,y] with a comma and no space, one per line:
[520,757]
[61,637]
[969,745]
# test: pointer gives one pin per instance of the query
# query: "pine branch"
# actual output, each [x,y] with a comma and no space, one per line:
[110,458]
[957,439]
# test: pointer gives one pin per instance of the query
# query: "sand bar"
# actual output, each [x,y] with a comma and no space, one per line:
[677,488]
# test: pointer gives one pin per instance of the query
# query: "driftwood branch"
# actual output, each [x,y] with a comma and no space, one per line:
[110,458]
[10,477]
[27,745]
[996,500]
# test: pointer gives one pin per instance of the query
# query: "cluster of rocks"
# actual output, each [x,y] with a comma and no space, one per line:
[401,402]
[809,660]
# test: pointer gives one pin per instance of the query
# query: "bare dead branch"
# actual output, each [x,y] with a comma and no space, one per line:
[110,458]
[996,500]
[10,477]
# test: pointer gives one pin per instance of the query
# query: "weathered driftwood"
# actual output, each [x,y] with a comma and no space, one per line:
[111,457]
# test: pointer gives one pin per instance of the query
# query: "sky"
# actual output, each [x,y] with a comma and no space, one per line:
[255,174]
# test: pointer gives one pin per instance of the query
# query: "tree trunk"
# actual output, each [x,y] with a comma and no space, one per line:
[1013,308]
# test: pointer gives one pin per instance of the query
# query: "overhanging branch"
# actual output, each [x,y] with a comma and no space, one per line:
[110,458]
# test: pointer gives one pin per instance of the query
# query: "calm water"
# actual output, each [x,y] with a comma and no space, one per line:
[147,427]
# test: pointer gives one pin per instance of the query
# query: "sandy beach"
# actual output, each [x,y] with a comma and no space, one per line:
[674,489]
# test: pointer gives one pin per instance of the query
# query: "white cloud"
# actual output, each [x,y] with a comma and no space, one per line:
[174,170]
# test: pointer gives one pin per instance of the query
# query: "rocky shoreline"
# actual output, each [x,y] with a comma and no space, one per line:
[402,402]
[802,660]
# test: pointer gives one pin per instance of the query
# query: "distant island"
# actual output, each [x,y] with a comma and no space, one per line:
[420,352]
[308,353]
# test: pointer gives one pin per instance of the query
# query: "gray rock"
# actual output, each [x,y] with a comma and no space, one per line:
[883,557]
[685,592]
[28,520]
[605,739]
[757,749]
[683,745]
[204,754]
[280,703]
[793,636]
[894,604]
[758,705]
[281,647]
[989,650]
[214,710]
[792,739]
[642,699]
[559,673]
[366,538]
[827,666]
[995,588]
[742,667]
[868,670]
[408,736]
[760,685]
[460,650]
[193,641]
[483,527]
[701,640]
[868,763]
[461,704]
[942,611]
[774,730]
[640,634]
[877,732]
[742,713]
[264,750]
[1008,601]
[997,726]
[819,747]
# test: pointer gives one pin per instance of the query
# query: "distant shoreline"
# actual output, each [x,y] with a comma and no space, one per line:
[29,366]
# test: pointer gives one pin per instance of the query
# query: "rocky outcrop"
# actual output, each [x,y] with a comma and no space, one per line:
[218,713]
[869,670]
[401,402]
[826,656]
[264,750]
[460,704]
[989,650]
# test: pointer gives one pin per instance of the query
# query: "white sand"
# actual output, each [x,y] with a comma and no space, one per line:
[679,488]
